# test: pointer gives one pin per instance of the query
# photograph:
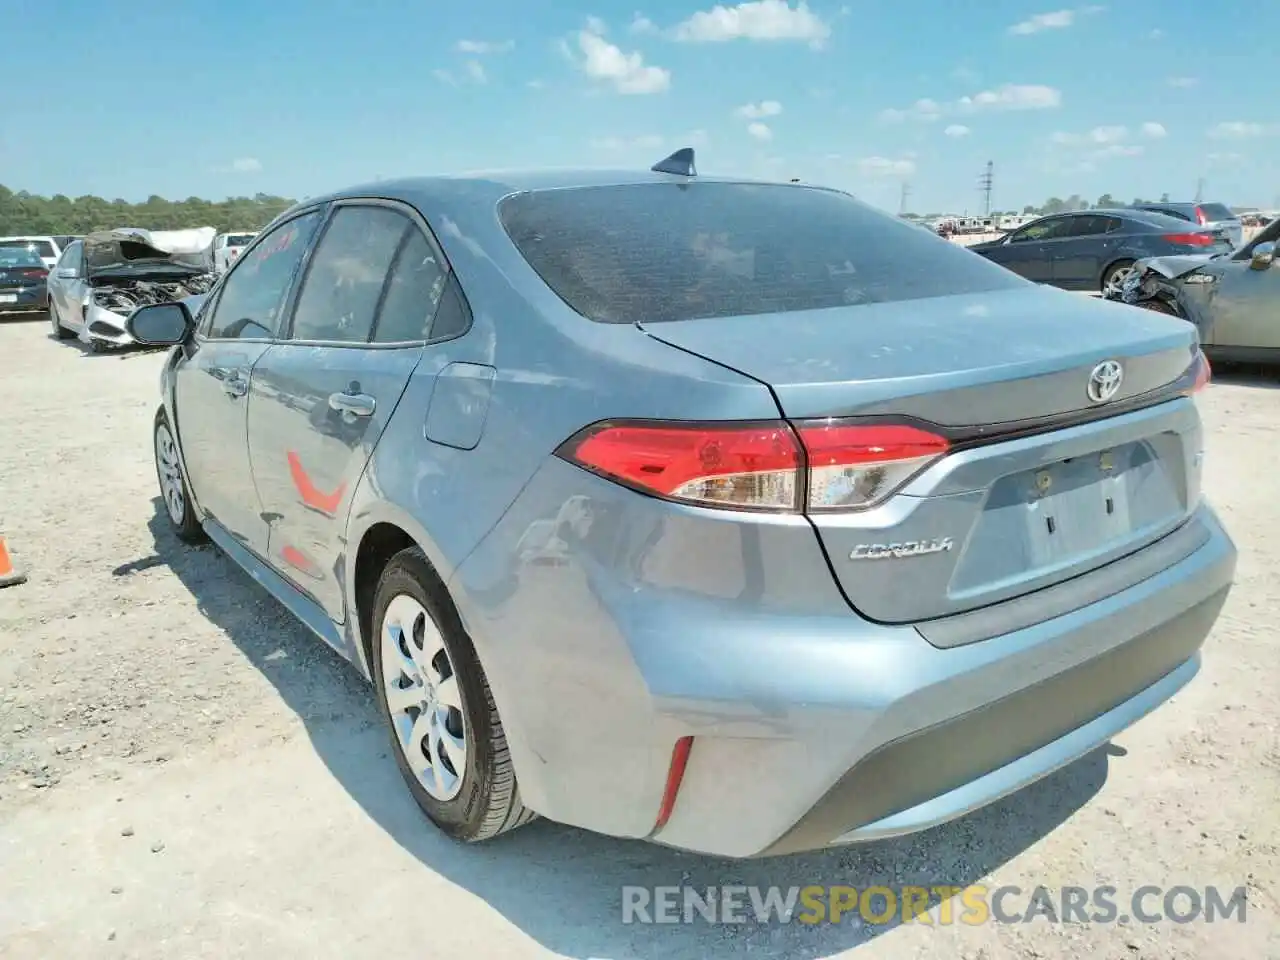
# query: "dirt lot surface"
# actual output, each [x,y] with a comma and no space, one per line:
[185,772]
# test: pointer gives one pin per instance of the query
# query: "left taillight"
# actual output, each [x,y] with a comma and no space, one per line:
[1200,217]
[35,273]
[1198,374]
[813,465]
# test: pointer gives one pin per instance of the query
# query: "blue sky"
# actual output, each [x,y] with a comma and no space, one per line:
[299,96]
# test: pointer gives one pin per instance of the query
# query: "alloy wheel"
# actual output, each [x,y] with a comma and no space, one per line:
[421,691]
[170,474]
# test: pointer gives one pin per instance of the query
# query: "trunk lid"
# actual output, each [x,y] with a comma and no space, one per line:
[1042,483]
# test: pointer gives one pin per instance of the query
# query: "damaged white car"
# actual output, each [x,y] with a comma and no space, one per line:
[100,280]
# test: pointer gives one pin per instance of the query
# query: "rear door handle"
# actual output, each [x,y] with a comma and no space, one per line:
[352,404]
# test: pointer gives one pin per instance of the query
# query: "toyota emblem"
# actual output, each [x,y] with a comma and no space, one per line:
[1105,380]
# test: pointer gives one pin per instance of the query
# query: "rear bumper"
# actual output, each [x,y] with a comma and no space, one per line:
[26,298]
[613,629]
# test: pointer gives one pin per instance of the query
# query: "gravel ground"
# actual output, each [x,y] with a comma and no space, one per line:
[184,772]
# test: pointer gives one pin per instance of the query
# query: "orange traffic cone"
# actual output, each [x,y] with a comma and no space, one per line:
[9,577]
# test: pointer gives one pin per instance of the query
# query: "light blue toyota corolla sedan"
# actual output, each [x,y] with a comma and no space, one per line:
[738,516]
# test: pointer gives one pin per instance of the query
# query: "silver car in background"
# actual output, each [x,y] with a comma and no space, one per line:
[1211,216]
[100,280]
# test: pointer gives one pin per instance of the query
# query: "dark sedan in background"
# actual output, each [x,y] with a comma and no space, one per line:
[1095,250]
[23,280]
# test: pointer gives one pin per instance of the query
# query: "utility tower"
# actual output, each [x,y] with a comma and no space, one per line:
[984,185]
[902,202]
[1200,190]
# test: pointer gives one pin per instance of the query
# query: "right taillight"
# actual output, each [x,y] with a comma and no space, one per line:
[1190,239]
[820,465]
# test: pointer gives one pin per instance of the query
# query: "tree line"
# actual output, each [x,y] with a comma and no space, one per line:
[1069,205]
[27,214]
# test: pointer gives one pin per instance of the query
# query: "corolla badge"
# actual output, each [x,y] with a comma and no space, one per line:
[896,551]
[1105,380]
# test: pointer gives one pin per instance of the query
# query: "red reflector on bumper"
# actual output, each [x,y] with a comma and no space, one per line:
[675,774]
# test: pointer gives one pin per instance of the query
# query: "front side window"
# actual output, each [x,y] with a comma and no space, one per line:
[252,295]
[1040,230]
[344,283]
[651,252]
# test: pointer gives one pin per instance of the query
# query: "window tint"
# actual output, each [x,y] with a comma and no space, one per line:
[71,257]
[413,292]
[1088,226]
[1042,230]
[252,295]
[666,251]
[348,270]
[41,248]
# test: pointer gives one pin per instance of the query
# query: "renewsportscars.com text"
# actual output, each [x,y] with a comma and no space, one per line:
[936,905]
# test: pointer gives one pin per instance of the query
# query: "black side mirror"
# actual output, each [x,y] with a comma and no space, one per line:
[160,324]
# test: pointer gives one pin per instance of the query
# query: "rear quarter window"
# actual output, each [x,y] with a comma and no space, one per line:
[654,252]
[1217,211]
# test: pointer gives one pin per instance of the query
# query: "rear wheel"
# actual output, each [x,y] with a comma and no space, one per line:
[445,730]
[59,331]
[1115,277]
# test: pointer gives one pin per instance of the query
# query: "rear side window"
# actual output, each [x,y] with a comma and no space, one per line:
[344,282]
[413,292]
[1214,212]
[676,251]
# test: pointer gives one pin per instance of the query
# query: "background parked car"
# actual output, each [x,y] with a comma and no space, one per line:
[1204,214]
[227,247]
[1095,249]
[47,248]
[23,278]
[100,280]
[1234,299]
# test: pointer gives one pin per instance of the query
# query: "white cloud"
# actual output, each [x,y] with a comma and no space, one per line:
[485,46]
[1237,130]
[755,20]
[1057,20]
[1119,150]
[1155,131]
[246,165]
[1014,96]
[957,130]
[1113,134]
[626,72]
[760,130]
[534,84]
[1155,34]
[1183,83]
[882,168]
[757,111]
[444,76]
[1011,96]
[643,25]
[1226,159]
[475,70]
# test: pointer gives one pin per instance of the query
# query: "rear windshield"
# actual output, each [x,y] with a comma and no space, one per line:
[658,251]
[1216,211]
[238,239]
[13,256]
[41,248]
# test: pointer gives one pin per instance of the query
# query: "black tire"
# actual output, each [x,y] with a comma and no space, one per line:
[59,331]
[1112,270]
[1156,305]
[489,800]
[188,529]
